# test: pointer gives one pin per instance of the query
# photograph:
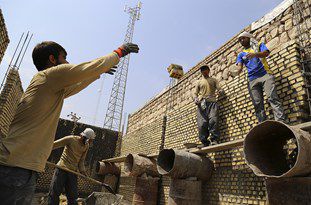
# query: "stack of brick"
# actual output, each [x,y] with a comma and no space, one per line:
[232,182]
[9,99]
[4,38]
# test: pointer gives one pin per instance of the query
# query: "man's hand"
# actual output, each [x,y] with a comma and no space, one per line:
[251,55]
[127,48]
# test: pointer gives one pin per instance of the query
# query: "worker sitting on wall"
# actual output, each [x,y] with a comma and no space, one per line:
[26,148]
[72,158]
[260,76]
[207,113]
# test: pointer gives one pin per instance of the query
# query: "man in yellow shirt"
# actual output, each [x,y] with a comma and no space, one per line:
[207,113]
[26,148]
[72,158]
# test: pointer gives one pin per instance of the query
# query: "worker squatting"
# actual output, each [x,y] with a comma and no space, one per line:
[26,148]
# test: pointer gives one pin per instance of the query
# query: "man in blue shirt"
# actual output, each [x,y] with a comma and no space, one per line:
[260,77]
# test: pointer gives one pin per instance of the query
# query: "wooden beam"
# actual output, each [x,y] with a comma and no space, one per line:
[208,149]
[304,126]
[219,147]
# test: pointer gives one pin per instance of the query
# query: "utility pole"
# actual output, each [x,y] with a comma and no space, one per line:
[113,116]
[75,119]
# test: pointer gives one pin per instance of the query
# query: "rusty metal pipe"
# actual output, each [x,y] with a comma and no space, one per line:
[136,165]
[104,168]
[268,151]
[179,164]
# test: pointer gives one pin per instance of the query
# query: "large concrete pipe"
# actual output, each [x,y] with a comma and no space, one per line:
[185,192]
[179,164]
[136,165]
[146,191]
[103,168]
[268,151]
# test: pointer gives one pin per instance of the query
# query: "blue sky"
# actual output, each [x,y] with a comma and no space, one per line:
[170,31]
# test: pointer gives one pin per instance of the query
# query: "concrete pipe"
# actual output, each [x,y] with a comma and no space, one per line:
[136,165]
[274,149]
[179,164]
[103,168]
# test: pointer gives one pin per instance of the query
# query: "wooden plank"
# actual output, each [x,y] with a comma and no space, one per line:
[219,147]
[304,126]
[209,149]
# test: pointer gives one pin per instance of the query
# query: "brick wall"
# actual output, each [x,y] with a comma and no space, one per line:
[9,99]
[232,182]
[4,38]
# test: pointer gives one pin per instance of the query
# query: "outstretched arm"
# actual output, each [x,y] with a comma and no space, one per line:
[74,89]
[66,75]
[62,142]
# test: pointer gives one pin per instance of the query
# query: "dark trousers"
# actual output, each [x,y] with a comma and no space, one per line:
[62,179]
[17,185]
[207,119]
[257,87]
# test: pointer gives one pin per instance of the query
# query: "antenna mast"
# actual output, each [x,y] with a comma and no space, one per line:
[113,116]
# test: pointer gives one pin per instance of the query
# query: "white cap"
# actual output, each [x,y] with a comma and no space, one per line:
[245,34]
[88,133]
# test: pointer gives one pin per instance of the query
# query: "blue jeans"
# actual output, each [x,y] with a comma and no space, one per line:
[17,185]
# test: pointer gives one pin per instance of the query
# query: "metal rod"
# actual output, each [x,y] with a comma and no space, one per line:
[21,50]
[16,49]
[20,62]
[7,71]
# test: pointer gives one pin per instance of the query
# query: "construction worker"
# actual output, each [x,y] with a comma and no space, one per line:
[260,76]
[207,113]
[72,158]
[26,148]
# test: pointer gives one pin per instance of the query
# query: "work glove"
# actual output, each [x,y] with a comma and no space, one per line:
[111,71]
[127,48]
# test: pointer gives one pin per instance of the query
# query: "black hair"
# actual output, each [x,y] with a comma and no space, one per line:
[42,51]
[204,67]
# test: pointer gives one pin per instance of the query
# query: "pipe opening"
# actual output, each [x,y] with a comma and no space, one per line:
[271,149]
[166,161]
[128,164]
